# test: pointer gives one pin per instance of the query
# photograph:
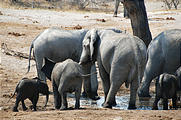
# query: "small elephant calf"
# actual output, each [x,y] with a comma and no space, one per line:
[166,88]
[30,88]
[66,77]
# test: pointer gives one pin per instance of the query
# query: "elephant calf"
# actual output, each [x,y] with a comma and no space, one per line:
[66,77]
[30,88]
[166,88]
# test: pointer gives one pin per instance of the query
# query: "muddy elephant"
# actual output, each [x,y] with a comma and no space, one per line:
[166,87]
[66,77]
[164,54]
[59,45]
[30,88]
[121,59]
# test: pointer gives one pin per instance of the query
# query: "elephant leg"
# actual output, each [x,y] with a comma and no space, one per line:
[18,99]
[117,77]
[116,2]
[158,94]
[34,101]
[155,104]
[77,98]
[64,100]
[174,101]
[105,80]
[94,82]
[87,82]
[57,98]
[23,105]
[39,64]
[152,70]
[165,104]
[110,100]
[133,92]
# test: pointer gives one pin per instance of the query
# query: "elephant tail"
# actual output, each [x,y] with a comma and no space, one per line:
[141,60]
[14,92]
[12,96]
[29,58]
[130,77]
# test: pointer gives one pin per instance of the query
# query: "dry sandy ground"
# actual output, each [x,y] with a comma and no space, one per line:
[18,27]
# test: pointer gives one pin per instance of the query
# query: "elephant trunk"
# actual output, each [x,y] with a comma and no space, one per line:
[47,97]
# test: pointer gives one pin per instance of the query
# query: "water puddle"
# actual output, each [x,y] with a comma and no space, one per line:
[122,103]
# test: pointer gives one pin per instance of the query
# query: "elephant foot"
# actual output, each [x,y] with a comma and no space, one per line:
[107,106]
[142,93]
[25,108]
[114,103]
[63,108]
[15,109]
[154,108]
[77,107]
[57,107]
[131,107]
[114,15]
[91,96]
[34,109]
[84,95]
[95,97]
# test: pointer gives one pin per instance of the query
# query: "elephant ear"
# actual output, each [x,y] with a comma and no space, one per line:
[93,39]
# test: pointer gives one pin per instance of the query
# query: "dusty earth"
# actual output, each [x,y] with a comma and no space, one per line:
[18,27]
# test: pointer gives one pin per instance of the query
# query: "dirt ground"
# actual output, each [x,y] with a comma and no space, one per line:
[18,27]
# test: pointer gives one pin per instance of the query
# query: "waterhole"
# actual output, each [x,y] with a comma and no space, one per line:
[122,102]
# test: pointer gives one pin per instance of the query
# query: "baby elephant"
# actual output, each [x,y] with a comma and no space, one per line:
[30,88]
[166,88]
[66,77]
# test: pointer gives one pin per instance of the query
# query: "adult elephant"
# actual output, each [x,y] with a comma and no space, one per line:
[121,59]
[163,57]
[116,3]
[59,45]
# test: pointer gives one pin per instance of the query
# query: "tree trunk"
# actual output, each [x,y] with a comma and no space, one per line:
[139,21]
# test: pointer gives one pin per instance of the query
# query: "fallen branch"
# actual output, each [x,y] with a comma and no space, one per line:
[10,52]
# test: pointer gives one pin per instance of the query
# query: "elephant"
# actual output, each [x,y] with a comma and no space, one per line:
[117,2]
[178,74]
[163,57]
[121,59]
[58,45]
[66,77]
[166,87]
[30,88]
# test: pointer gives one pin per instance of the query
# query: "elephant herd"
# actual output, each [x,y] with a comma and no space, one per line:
[67,58]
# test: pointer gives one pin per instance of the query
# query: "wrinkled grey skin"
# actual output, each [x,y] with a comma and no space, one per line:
[163,57]
[66,77]
[121,59]
[178,74]
[166,87]
[30,88]
[59,45]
